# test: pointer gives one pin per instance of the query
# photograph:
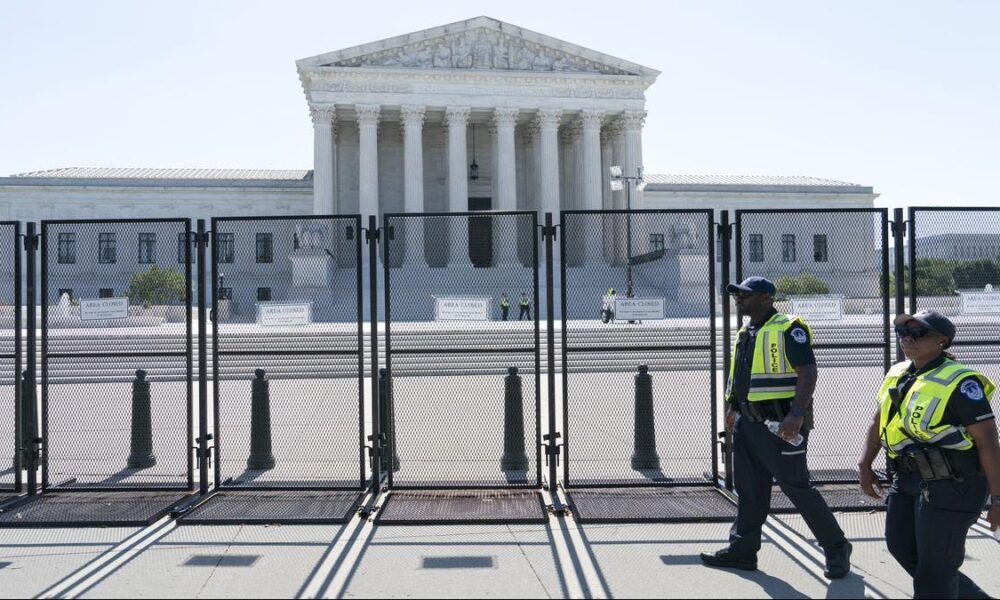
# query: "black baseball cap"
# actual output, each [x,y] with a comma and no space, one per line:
[931,319]
[754,285]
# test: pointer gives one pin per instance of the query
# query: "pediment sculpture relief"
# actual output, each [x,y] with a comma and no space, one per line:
[480,50]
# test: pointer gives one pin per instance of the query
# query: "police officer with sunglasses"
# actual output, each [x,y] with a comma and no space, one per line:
[935,422]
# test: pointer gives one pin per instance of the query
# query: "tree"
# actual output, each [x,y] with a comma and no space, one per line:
[157,286]
[803,284]
[934,277]
[976,274]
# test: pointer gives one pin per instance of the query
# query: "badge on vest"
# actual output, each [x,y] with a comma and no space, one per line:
[972,390]
[800,335]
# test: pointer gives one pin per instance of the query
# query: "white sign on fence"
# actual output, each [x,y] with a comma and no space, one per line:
[102,309]
[272,315]
[819,308]
[640,309]
[461,309]
[980,303]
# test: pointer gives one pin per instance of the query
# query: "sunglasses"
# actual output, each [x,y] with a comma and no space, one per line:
[914,333]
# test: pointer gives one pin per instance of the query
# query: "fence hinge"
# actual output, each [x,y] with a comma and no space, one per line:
[899,228]
[31,242]
[549,232]
[201,239]
[372,235]
[724,233]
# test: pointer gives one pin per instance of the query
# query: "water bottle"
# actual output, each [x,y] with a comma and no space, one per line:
[774,426]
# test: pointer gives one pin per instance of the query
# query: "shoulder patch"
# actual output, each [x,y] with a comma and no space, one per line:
[800,335]
[972,390]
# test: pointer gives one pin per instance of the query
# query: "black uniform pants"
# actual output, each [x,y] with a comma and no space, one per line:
[759,456]
[503,312]
[925,529]
[525,311]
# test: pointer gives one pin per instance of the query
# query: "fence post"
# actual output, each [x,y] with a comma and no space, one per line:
[141,454]
[261,458]
[387,413]
[514,457]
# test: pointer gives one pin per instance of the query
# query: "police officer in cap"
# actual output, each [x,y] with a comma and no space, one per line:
[771,380]
[935,423]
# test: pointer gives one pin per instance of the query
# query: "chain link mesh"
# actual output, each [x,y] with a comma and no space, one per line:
[617,433]
[116,376]
[954,269]
[288,352]
[449,350]
[838,256]
[10,349]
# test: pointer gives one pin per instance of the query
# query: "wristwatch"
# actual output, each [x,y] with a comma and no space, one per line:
[796,411]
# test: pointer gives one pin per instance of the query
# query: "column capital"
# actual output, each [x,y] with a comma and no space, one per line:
[591,119]
[570,131]
[505,116]
[634,119]
[413,115]
[456,115]
[368,114]
[323,115]
[548,117]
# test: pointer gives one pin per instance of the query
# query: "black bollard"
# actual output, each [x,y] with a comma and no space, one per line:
[261,458]
[141,455]
[387,423]
[514,458]
[644,458]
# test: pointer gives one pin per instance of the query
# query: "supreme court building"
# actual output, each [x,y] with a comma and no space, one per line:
[475,115]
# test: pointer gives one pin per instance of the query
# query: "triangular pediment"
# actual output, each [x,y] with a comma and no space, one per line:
[482,43]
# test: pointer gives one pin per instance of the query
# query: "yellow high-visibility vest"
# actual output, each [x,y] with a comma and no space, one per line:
[918,419]
[772,376]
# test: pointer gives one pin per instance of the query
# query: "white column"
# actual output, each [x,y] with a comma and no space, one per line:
[457,119]
[505,236]
[413,173]
[572,134]
[548,146]
[633,120]
[606,197]
[590,181]
[368,118]
[617,131]
[324,161]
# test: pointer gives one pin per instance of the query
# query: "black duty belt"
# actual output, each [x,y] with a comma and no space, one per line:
[929,464]
[771,410]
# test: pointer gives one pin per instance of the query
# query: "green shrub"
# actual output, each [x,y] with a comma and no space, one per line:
[156,286]
[803,284]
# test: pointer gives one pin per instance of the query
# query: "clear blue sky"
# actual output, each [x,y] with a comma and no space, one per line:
[902,96]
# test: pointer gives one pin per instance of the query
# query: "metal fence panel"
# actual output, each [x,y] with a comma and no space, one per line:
[288,353]
[954,268]
[638,394]
[458,417]
[116,355]
[10,355]
[842,258]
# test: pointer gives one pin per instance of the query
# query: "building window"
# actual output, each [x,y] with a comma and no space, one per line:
[107,251]
[147,248]
[756,247]
[67,248]
[788,247]
[819,249]
[183,249]
[656,242]
[106,293]
[224,245]
[265,246]
[264,294]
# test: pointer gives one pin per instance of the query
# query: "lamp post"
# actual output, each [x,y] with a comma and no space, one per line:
[620,181]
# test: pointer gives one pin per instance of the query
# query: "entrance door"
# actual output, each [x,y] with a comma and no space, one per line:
[480,233]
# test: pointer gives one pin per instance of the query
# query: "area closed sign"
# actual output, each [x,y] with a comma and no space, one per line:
[103,309]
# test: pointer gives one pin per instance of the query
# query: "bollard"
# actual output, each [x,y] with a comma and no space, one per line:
[141,455]
[514,458]
[261,458]
[387,422]
[644,458]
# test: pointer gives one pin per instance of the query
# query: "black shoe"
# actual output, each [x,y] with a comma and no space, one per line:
[838,561]
[726,560]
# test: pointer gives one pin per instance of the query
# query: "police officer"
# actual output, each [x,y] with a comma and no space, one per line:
[772,378]
[525,306]
[935,423]
[504,307]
